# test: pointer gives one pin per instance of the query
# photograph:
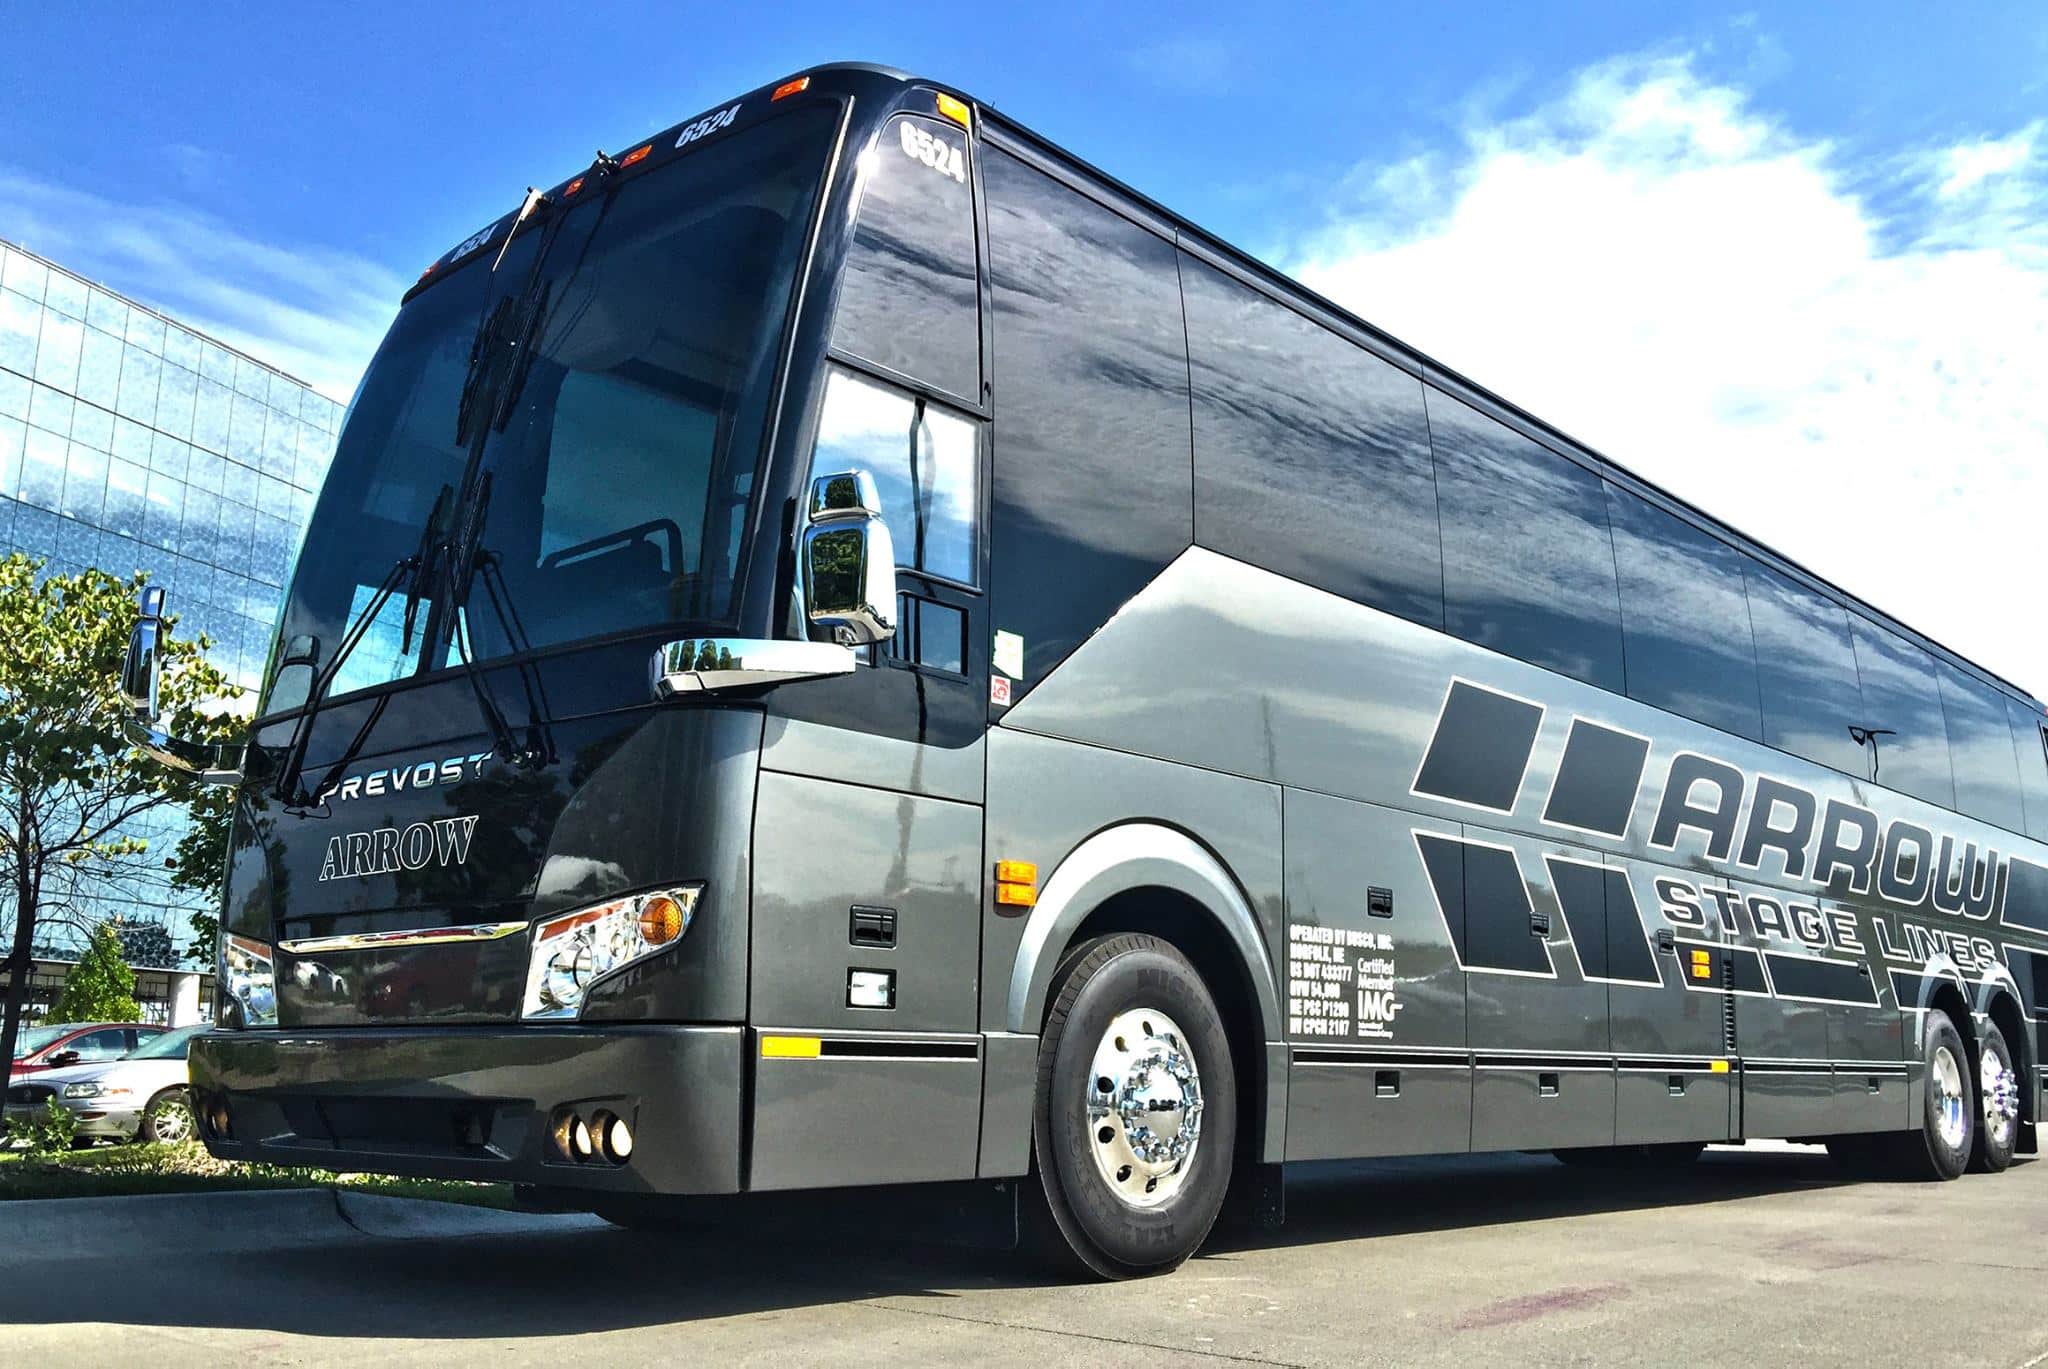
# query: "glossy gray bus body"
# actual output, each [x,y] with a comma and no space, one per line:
[1450,883]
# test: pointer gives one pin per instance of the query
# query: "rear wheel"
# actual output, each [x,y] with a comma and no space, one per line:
[1939,1148]
[1136,1117]
[1998,1093]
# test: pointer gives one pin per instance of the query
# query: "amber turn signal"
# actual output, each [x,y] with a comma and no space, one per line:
[661,920]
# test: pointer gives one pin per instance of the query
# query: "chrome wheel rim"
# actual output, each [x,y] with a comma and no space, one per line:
[172,1121]
[2000,1089]
[1144,1107]
[1950,1119]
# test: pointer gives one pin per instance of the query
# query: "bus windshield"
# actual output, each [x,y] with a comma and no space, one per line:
[595,397]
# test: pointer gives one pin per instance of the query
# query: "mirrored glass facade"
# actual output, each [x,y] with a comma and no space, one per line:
[130,442]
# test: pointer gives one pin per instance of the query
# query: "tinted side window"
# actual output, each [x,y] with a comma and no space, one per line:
[1684,618]
[1908,745]
[1092,493]
[1528,562]
[110,1044]
[908,297]
[1807,668]
[1311,454]
[2030,745]
[926,465]
[1980,748]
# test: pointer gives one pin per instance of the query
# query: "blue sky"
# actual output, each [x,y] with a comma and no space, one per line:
[1792,262]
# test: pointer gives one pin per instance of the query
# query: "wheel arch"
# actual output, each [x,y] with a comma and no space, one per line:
[1148,877]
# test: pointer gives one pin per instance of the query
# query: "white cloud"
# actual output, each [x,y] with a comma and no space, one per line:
[315,312]
[1664,270]
[1971,164]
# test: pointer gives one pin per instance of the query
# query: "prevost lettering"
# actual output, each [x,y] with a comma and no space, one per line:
[399,778]
[387,850]
[1839,844]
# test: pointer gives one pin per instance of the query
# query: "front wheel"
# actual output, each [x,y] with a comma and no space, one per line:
[168,1118]
[1136,1119]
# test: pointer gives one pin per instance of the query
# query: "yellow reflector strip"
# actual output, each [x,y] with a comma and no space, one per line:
[1016,872]
[1016,895]
[954,109]
[1720,1067]
[790,1047]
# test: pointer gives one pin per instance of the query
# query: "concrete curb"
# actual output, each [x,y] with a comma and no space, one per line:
[42,1229]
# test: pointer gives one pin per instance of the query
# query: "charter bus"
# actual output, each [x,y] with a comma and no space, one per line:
[842,646]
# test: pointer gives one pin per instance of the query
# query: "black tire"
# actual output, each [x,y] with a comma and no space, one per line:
[168,1118]
[1924,1153]
[1995,1142]
[1663,1155]
[1120,1233]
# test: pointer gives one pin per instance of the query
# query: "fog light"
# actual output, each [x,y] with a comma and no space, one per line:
[579,1139]
[559,1127]
[614,1136]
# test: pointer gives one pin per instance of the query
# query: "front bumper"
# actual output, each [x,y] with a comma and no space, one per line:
[475,1102]
[103,1124]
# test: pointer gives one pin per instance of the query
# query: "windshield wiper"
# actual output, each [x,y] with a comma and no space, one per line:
[415,573]
[474,562]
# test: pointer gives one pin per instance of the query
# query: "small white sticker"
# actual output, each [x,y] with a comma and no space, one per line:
[1009,654]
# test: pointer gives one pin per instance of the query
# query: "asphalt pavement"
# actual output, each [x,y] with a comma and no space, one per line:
[1757,1256]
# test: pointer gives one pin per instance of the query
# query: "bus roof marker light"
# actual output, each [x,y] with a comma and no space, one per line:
[792,87]
[637,154]
[954,108]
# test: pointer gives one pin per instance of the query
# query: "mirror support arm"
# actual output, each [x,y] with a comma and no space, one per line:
[710,664]
[213,763]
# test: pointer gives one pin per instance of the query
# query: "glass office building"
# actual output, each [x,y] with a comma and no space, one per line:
[130,442]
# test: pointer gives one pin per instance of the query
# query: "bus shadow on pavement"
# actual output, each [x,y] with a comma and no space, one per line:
[577,1277]
[1344,1200]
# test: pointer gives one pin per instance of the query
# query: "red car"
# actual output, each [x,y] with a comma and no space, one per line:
[77,1043]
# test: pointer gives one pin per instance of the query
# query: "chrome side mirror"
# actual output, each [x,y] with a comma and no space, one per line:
[140,671]
[849,560]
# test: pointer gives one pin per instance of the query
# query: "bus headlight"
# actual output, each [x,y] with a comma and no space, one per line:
[574,950]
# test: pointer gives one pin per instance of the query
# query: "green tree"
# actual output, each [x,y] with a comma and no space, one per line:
[199,866]
[100,987]
[71,786]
